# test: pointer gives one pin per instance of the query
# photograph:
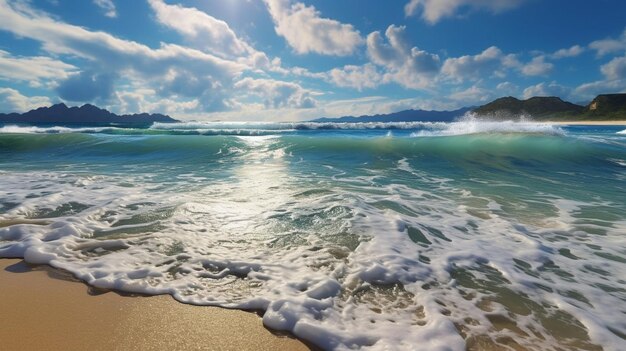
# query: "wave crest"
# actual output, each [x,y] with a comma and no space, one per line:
[288,126]
[15,129]
[470,124]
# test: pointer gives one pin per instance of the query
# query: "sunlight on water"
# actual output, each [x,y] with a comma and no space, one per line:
[453,236]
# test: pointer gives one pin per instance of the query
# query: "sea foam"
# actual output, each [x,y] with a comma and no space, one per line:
[15,129]
[473,125]
[347,242]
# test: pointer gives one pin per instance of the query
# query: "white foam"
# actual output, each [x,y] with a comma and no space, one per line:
[286,126]
[473,125]
[246,241]
[14,129]
[622,132]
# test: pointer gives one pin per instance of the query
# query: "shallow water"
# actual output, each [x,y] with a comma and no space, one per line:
[384,236]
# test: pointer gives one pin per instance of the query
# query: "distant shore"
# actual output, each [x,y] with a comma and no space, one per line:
[46,309]
[587,123]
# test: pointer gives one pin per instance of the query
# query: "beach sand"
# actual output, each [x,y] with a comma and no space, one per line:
[42,308]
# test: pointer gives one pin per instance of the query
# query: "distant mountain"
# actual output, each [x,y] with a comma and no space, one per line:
[611,106]
[84,115]
[537,107]
[603,107]
[402,116]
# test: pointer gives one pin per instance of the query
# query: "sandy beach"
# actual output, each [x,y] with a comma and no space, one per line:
[47,309]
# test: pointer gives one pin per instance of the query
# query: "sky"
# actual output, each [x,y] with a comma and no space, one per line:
[304,59]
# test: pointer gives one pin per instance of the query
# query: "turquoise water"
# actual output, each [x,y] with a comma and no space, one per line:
[404,235]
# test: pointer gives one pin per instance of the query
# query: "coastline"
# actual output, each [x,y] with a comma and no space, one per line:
[587,123]
[46,308]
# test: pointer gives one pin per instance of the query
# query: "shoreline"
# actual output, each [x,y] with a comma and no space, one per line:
[46,308]
[587,123]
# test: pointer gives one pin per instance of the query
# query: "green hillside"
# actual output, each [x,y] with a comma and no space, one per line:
[608,106]
[602,108]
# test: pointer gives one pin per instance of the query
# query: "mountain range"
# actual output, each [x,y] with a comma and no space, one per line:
[84,115]
[605,107]
[402,116]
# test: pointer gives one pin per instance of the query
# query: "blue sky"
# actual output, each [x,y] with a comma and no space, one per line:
[301,59]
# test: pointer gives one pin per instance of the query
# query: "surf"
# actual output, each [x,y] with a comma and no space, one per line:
[503,234]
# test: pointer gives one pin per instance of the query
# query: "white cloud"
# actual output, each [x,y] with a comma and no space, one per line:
[507,88]
[62,38]
[537,67]
[488,63]
[358,77]
[614,80]
[134,60]
[409,67]
[33,69]
[212,35]
[434,10]
[277,94]
[547,89]
[589,91]
[373,105]
[368,105]
[615,69]
[303,72]
[306,31]
[207,32]
[472,95]
[139,100]
[609,45]
[107,6]
[12,100]
[569,52]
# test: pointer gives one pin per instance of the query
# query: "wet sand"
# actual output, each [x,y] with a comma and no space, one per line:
[42,308]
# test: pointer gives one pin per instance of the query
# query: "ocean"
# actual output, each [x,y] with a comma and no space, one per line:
[428,236]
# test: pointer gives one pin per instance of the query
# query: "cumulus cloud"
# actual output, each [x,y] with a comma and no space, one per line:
[547,89]
[492,61]
[569,52]
[107,6]
[206,31]
[358,77]
[143,99]
[589,91]
[306,31]
[615,69]
[472,95]
[33,70]
[12,101]
[62,38]
[134,60]
[609,45]
[433,11]
[211,35]
[277,94]
[507,88]
[537,67]
[406,65]
[614,80]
